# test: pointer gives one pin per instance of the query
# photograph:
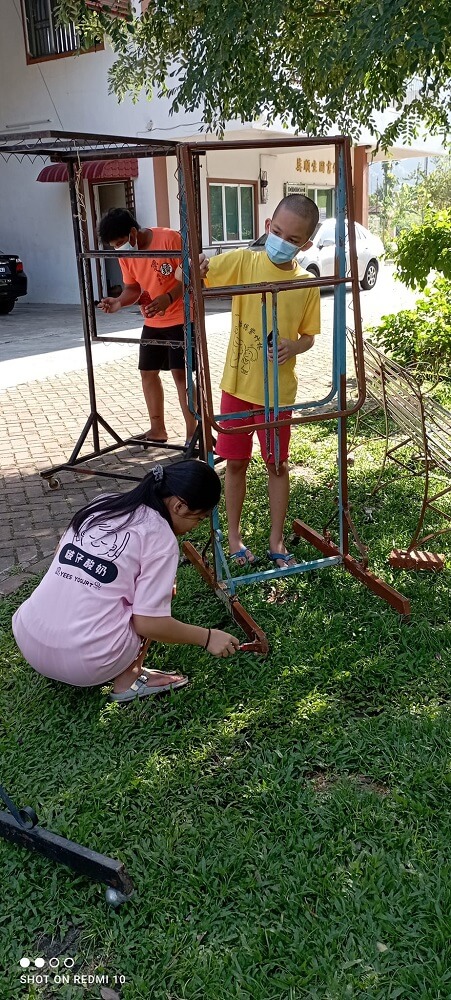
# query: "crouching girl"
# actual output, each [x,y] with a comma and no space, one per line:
[108,591]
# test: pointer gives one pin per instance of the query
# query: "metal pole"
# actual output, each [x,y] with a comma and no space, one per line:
[266,369]
[84,303]
[186,296]
[275,337]
[340,340]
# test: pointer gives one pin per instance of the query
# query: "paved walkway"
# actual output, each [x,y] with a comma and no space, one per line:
[41,419]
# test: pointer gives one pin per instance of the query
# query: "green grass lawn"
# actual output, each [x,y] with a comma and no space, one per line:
[286,821]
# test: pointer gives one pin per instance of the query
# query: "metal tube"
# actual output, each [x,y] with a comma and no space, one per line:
[340,344]
[275,338]
[186,296]
[265,374]
[269,286]
[84,304]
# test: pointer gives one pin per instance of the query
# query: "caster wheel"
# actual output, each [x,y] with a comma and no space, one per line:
[115,898]
[54,483]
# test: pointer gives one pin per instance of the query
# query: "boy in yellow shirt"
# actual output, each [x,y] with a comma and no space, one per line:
[288,232]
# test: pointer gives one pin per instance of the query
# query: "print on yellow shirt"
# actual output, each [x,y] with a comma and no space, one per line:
[298,312]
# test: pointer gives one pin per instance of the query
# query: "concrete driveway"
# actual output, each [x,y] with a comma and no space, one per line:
[41,340]
[44,405]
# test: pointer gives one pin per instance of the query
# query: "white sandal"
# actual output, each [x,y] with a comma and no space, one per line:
[141,689]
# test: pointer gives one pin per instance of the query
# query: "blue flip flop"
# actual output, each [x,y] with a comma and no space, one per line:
[283,556]
[242,554]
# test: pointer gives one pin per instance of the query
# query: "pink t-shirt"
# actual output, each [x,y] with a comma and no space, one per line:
[76,626]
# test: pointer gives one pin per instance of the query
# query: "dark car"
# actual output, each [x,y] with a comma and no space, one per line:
[13,281]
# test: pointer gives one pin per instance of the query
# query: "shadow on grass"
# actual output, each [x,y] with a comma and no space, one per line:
[248,808]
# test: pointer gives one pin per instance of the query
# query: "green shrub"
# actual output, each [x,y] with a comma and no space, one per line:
[420,337]
[424,248]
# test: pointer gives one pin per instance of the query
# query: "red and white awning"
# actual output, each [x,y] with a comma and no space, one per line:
[92,170]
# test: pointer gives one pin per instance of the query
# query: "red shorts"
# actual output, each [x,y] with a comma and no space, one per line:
[239,446]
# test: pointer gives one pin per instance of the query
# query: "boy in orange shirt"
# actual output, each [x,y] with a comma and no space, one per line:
[163,314]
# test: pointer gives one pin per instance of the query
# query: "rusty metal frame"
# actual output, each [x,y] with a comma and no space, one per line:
[20,826]
[217,573]
[387,369]
[73,148]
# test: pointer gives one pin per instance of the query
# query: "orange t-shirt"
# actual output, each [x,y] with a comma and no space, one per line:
[155,275]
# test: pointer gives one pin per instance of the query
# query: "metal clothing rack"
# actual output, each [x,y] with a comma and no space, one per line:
[21,826]
[74,149]
[212,562]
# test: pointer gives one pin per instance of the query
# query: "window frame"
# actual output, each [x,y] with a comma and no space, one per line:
[31,60]
[329,191]
[234,183]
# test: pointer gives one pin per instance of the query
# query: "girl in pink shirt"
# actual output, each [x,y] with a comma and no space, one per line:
[108,591]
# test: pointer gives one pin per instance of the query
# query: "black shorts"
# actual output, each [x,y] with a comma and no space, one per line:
[160,358]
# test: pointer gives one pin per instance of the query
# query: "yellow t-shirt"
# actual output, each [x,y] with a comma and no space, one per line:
[298,312]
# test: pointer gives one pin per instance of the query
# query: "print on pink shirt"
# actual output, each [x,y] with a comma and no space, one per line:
[109,543]
[100,538]
[99,569]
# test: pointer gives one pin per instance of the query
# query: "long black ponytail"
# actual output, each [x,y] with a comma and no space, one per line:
[194,482]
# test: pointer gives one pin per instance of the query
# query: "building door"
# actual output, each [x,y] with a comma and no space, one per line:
[114,194]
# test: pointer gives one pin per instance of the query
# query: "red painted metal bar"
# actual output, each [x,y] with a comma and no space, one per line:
[258,642]
[396,600]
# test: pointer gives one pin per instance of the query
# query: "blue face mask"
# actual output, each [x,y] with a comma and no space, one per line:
[280,251]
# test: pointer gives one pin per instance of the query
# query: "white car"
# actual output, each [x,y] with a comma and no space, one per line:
[320,258]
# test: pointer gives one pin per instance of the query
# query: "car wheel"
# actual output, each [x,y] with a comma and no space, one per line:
[313,271]
[7,306]
[370,277]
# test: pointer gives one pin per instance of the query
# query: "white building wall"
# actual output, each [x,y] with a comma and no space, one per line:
[69,94]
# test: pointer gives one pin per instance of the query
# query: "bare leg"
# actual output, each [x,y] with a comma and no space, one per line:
[178,374]
[235,491]
[128,676]
[279,491]
[154,397]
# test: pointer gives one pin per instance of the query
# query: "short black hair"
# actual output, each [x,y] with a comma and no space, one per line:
[300,205]
[116,224]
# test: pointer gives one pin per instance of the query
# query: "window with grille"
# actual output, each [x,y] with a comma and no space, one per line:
[232,212]
[45,36]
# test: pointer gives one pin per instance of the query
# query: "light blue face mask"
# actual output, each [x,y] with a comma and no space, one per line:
[280,251]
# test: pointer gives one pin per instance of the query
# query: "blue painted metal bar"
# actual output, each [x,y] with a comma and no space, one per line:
[340,319]
[276,574]
[189,344]
[275,346]
[221,564]
[265,370]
